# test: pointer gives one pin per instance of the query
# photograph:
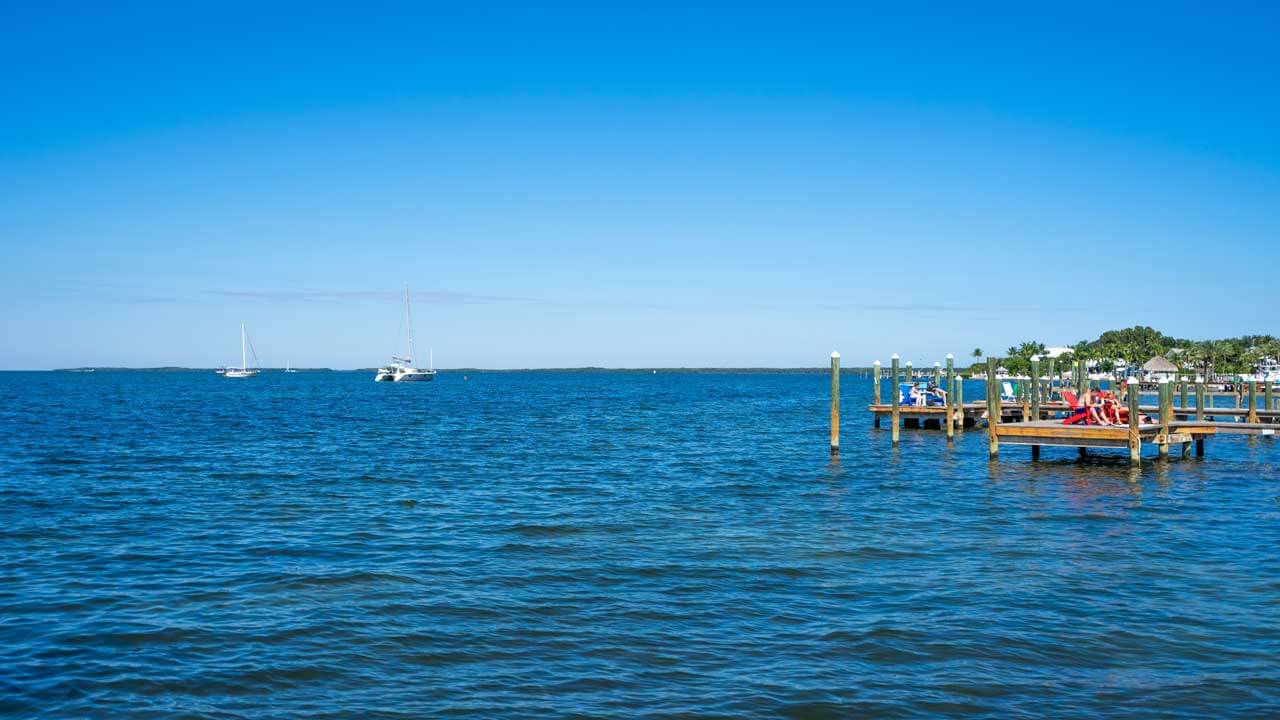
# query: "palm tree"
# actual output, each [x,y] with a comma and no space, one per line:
[977,353]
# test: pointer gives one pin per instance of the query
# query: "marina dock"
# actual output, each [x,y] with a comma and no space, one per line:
[1034,418]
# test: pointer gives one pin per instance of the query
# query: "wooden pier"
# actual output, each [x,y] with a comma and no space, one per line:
[1034,419]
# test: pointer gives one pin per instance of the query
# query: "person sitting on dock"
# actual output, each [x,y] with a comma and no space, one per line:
[938,392]
[1096,407]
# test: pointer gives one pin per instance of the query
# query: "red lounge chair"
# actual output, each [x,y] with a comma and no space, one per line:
[1079,413]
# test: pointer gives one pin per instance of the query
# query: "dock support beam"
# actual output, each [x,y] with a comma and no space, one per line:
[835,403]
[1182,394]
[993,409]
[951,398]
[1166,413]
[1036,387]
[1199,402]
[875,390]
[1035,452]
[895,401]
[1253,401]
[960,400]
[1135,439]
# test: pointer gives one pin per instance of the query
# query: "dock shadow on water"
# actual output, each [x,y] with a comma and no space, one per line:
[515,553]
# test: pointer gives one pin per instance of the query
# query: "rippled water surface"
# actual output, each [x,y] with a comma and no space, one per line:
[572,544]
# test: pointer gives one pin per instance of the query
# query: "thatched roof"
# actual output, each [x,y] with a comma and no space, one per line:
[1159,364]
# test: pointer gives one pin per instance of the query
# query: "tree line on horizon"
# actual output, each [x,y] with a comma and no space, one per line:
[1136,345]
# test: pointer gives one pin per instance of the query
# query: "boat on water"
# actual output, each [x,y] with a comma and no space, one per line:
[402,368]
[288,368]
[244,371]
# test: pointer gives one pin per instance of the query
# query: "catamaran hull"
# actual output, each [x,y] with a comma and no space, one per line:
[416,377]
[404,377]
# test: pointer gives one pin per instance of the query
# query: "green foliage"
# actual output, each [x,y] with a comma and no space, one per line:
[1138,344]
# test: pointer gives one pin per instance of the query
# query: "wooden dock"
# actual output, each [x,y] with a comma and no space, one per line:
[1038,433]
[1035,420]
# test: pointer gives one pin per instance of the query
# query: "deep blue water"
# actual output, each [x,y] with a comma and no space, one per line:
[541,545]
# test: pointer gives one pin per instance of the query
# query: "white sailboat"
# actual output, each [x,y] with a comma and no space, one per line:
[401,368]
[244,370]
[288,368]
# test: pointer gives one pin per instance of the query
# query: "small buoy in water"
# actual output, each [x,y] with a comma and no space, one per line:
[410,503]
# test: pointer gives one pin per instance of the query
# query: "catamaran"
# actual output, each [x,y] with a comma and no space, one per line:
[244,370]
[401,368]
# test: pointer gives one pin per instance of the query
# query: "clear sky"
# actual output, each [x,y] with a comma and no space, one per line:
[590,184]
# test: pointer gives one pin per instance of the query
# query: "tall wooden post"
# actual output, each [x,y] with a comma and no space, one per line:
[1035,396]
[835,403]
[1200,401]
[993,408]
[1053,370]
[951,398]
[937,373]
[1135,439]
[1253,402]
[1166,414]
[875,386]
[875,393]
[1024,394]
[896,399]
[960,399]
[1182,394]
[1266,395]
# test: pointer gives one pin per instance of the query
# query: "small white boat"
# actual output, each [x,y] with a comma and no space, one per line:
[244,371]
[402,368]
[289,369]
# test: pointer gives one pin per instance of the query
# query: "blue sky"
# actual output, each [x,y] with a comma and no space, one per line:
[567,185]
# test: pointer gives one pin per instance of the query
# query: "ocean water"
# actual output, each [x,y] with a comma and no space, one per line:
[545,545]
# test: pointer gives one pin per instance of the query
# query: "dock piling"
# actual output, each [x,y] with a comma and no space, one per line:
[1035,394]
[1199,404]
[951,398]
[1166,415]
[835,403]
[875,386]
[1253,401]
[875,391]
[895,401]
[959,387]
[993,409]
[1135,440]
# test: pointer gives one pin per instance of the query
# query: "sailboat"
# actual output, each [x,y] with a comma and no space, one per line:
[244,370]
[288,368]
[401,368]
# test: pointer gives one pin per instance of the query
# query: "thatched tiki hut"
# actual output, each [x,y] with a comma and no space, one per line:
[1158,367]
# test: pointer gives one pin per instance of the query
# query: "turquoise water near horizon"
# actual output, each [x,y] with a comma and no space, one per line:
[570,544]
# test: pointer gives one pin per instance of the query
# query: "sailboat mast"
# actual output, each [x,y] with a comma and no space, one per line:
[408,314]
[244,357]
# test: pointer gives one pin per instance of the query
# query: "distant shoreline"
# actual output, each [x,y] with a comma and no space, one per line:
[683,370]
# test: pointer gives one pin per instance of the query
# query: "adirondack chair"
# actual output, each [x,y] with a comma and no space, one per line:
[1079,413]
